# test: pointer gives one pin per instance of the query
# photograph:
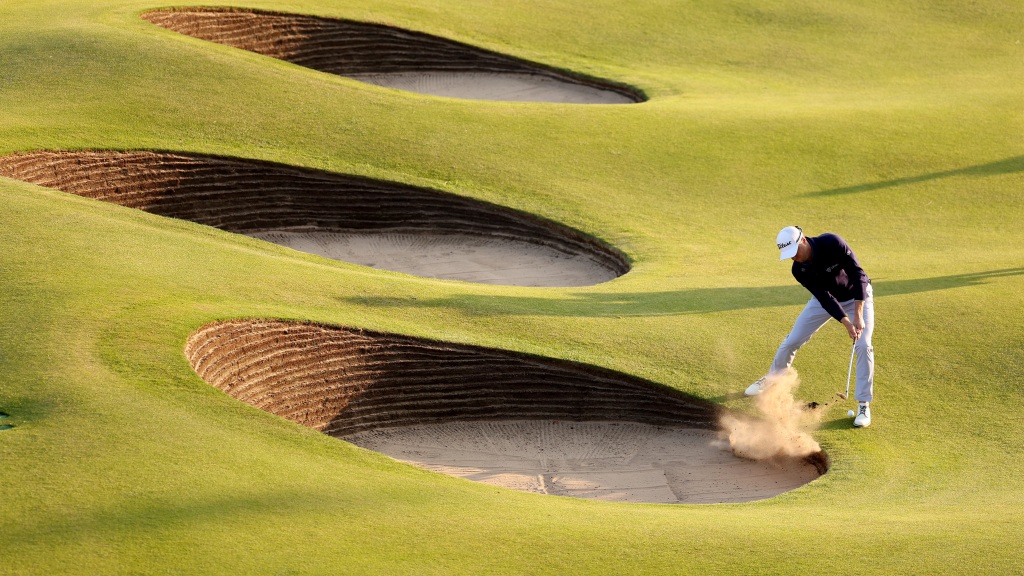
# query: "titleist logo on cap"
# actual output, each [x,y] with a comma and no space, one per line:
[781,246]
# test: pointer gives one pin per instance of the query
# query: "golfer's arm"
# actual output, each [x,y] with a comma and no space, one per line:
[858,314]
[831,305]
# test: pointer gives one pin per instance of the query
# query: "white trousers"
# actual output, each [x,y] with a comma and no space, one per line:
[811,319]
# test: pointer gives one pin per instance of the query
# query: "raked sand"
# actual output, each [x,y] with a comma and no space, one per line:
[493,86]
[611,461]
[494,260]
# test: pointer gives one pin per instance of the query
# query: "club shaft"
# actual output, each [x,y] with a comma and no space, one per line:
[849,370]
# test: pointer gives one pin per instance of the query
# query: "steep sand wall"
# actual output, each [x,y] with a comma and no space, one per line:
[343,380]
[364,50]
[256,197]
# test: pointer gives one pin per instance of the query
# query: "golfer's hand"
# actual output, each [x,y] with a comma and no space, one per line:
[852,329]
[858,324]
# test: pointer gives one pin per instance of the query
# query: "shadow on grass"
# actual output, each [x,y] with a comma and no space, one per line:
[843,423]
[668,303]
[1007,166]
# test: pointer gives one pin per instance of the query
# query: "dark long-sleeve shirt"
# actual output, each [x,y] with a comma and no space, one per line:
[832,274]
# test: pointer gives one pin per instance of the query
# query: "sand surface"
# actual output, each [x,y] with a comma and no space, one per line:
[611,461]
[464,257]
[494,86]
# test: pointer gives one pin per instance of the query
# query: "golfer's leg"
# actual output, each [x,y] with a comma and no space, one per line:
[810,320]
[866,352]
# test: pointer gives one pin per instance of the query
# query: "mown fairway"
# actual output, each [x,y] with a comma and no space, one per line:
[898,125]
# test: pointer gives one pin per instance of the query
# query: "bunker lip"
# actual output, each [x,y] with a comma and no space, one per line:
[376,389]
[390,56]
[269,200]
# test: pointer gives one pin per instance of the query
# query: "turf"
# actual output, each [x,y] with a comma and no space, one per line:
[896,126]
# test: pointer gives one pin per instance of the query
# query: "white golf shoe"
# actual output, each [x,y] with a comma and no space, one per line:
[757,387]
[863,419]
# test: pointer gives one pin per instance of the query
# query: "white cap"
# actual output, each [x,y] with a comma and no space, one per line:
[788,240]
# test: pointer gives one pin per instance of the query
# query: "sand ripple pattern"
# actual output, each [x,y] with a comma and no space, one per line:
[611,461]
[451,256]
[352,218]
[389,56]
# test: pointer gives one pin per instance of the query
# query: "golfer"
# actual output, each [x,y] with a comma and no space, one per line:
[839,289]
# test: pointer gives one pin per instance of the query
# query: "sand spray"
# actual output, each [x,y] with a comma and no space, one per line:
[783,429]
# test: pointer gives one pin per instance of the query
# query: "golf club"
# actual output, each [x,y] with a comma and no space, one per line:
[848,372]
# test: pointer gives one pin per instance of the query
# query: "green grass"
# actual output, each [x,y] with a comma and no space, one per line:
[898,127]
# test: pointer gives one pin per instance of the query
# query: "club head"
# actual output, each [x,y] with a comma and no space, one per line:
[841,395]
